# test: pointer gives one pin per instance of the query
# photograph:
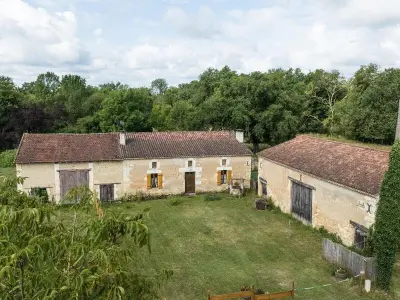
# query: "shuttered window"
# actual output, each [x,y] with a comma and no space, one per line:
[154,181]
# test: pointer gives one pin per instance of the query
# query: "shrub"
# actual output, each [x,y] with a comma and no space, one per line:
[212,197]
[7,158]
[329,235]
[387,226]
[270,203]
[175,201]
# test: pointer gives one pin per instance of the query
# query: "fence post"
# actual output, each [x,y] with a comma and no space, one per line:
[209,295]
[293,290]
[253,296]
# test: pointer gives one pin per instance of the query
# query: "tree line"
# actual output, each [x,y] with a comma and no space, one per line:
[271,107]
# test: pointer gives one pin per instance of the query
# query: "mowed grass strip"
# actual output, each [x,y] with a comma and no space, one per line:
[226,244]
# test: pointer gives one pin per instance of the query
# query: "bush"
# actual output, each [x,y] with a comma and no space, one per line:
[175,201]
[329,235]
[7,158]
[212,197]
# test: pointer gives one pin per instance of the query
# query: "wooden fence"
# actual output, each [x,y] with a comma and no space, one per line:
[351,261]
[252,296]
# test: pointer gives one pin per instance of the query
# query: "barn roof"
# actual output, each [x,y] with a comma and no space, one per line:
[50,148]
[356,167]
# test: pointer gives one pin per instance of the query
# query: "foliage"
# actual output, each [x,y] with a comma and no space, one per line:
[212,197]
[42,258]
[329,235]
[175,201]
[271,107]
[387,224]
[7,158]
[270,203]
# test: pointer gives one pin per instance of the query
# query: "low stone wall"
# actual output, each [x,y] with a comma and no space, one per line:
[351,261]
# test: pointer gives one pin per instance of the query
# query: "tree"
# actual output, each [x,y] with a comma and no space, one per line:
[45,259]
[387,225]
[159,86]
[132,106]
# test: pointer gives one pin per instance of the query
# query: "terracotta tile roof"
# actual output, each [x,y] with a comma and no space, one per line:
[183,144]
[42,148]
[356,167]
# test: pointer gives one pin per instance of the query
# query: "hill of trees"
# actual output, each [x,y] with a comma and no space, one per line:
[271,107]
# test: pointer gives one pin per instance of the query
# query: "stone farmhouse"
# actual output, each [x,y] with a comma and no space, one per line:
[325,183]
[115,164]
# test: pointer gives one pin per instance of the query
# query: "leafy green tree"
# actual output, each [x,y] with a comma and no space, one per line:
[132,106]
[159,86]
[42,258]
[387,225]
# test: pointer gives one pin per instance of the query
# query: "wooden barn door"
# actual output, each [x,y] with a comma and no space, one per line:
[190,182]
[72,178]
[302,202]
[106,192]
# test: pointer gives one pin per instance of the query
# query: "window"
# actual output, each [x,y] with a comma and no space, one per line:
[190,163]
[263,183]
[224,177]
[224,162]
[154,181]
[360,235]
[154,165]
[40,193]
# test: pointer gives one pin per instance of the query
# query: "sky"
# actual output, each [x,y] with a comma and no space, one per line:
[136,41]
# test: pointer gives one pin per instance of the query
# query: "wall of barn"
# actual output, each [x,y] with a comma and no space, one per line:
[333,206]
[46,175]
[173,173]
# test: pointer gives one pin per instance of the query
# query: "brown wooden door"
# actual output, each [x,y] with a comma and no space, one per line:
[302,202]
[72,178]
[190,184]
[106,192]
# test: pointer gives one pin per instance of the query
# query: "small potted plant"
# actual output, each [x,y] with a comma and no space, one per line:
[341,273]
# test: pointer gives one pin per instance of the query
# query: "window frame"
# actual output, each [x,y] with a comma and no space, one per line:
[224,162]
[190,163]
[152,165]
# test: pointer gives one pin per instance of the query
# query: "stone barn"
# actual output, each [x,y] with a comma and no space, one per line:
[325,183]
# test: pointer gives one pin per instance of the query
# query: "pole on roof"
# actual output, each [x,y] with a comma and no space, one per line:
[398,123]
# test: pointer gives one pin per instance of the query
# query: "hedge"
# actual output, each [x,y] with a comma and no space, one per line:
[7,158]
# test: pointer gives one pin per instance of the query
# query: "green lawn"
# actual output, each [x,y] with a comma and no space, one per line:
[223,245]
[7,171]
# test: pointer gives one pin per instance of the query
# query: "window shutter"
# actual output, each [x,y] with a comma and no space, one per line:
[148,181]
[228,176]
[219,178]
[160,181]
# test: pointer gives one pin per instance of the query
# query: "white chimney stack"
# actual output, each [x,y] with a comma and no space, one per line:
[239,135]
[122,138]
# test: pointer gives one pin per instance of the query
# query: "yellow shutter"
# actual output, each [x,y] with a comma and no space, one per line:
[148,181]
[160,182]
[228,177]
[219,178]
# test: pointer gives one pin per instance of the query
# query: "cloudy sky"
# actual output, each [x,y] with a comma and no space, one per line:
[135,41]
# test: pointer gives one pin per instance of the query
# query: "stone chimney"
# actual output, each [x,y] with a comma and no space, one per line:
[398,124]
[122,138]
[239,133]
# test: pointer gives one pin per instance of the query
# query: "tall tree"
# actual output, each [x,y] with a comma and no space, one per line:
[159,86]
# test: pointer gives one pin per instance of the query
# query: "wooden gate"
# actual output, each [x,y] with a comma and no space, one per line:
[106,192]
[190,182]
[302,201]
[72,178]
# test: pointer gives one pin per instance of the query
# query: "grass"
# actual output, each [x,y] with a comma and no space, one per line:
[356,143]
[7,172]
[226,244]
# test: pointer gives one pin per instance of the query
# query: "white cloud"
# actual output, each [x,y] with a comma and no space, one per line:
[35,36]
[187,38]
